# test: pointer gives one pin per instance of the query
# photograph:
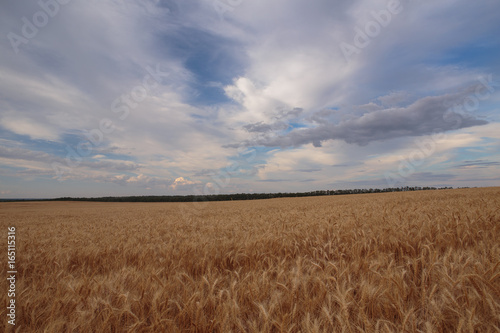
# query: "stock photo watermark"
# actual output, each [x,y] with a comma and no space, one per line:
[428,146]
[32,26]
[121,106]
[372,29]
[11,275]
[482,92]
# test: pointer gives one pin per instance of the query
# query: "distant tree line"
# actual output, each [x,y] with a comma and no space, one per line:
[241,196]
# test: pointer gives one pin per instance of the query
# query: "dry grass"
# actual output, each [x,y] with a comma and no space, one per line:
[394,262]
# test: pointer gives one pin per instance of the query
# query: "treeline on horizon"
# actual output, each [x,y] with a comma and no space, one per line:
[237,196]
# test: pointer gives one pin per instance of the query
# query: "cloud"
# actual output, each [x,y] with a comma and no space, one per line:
[308,170]
[478,164]
[24,154]
[297,162]
[29,127]
[425,116]
[260,127]
[293,113]
[182,183]
[146,181]
[274,180]
[11,156]
[394,98]
[429,176]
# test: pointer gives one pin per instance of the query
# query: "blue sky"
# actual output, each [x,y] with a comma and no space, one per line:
[119,97]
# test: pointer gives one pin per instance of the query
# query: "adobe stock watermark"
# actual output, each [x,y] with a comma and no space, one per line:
[363,37]
[224,6]
[482,92]
[31,26]
[428,146]
[11,270]
[121,106]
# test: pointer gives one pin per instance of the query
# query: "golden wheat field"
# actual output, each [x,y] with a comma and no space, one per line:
[425,261]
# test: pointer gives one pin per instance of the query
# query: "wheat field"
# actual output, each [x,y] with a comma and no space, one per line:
[425,261]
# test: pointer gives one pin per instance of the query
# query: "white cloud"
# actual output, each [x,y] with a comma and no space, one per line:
[182,183]
[29,127]
[301,161]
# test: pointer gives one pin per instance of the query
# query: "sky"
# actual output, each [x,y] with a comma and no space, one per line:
[166,97]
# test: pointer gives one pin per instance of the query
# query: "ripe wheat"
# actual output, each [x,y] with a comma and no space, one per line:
[394,262]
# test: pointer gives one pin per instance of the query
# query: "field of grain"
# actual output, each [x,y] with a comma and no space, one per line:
[424,261]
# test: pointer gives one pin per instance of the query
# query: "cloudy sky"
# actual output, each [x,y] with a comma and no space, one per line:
[159,97]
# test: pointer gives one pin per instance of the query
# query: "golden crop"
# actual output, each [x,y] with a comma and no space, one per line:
[424,261]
